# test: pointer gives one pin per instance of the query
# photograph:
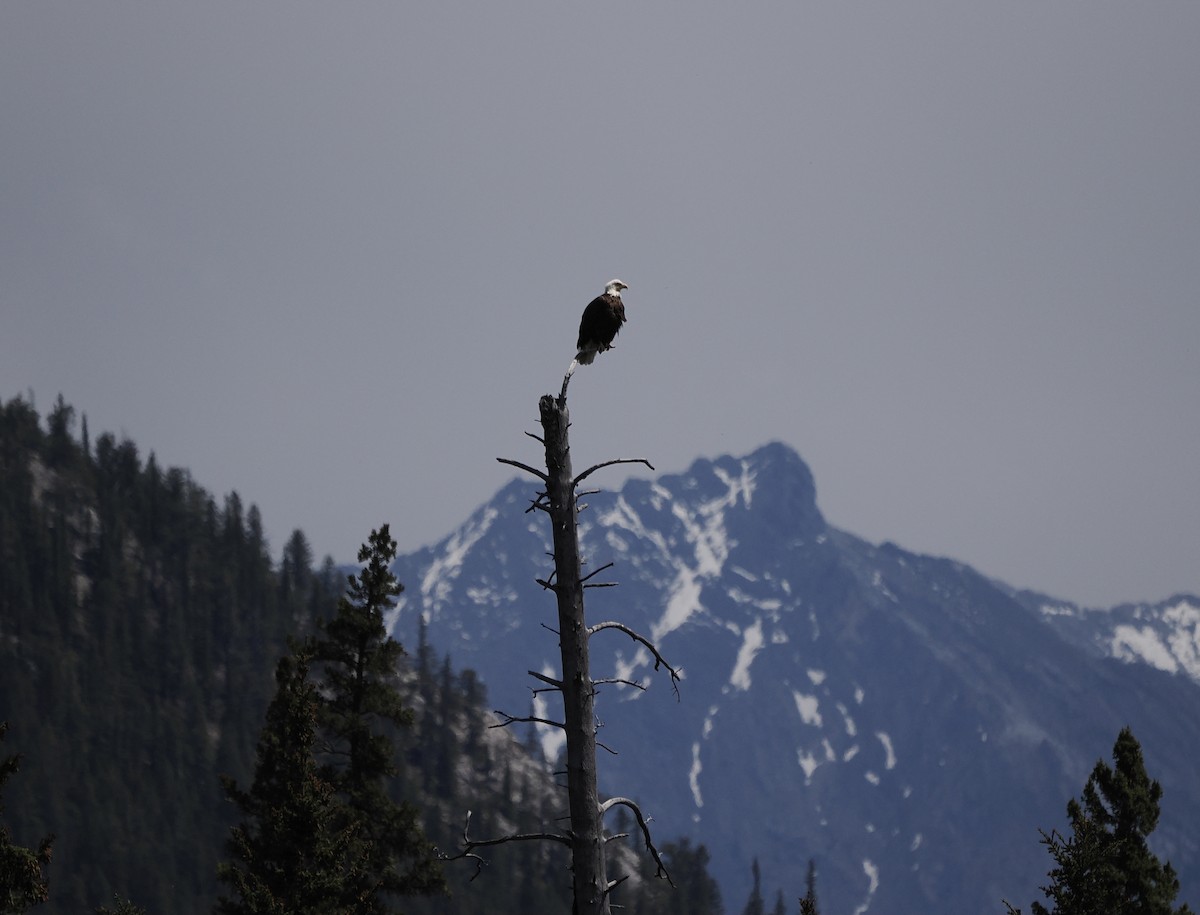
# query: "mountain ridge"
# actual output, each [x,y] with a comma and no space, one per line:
[855,703]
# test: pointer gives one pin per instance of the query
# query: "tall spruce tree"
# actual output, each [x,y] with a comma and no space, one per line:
[808,902]
[22,870]
[780,908]
[755,904]
[292,852]
[360,703]
[695,891]
[1105,864]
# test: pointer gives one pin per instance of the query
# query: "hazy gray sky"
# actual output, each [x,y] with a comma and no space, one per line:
[329,255]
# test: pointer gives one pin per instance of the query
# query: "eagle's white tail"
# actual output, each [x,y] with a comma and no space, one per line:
[586,356]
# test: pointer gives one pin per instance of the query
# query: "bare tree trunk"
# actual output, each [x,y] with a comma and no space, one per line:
[585,837]
[587,831]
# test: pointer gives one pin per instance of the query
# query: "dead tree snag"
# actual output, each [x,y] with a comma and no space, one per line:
[585,834]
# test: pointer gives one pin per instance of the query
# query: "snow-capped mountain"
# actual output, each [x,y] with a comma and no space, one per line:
[898,718]
[1165,635]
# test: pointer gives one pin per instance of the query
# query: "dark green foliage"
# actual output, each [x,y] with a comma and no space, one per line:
[293,852]
[754,905]
[1105,864]
[808,902]
[123,907]
[22,870]
[694,893]
[139,624]
[360,710]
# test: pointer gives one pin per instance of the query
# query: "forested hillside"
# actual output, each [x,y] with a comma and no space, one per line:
[140,625]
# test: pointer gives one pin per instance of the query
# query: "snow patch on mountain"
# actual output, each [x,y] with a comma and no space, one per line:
[437,584]
[808,762]
[1131,643]
[706,534]
[694,775]
[889,752]
[1165,636]
[683,602]
[1173,646]
[770,604]
[872,873]
[659,496]
[809,708]
[552,739]
[626,669]
[704,526]
[491,597]
[752,642]
[622,515]
[851,728]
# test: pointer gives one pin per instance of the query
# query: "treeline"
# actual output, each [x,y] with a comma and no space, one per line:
[141,622]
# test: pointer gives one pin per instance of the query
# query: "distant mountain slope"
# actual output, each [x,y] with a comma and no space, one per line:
[901,719]
[1165,635]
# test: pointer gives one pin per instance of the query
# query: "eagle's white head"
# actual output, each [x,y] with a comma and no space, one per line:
[614,287]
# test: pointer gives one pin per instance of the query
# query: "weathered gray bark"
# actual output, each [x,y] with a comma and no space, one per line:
[587,831]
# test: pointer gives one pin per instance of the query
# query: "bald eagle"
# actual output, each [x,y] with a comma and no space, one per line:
[601,320]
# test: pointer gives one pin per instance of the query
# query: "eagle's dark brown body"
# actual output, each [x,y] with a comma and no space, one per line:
[601,320]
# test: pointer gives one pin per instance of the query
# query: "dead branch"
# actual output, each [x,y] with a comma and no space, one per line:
[522,719]
[525,467]
[620,681]
[587,473]
[469,845]
[659,660]
[557,684]
[607,565]
[539,503]
[536,438]
[642,822]
[612,885]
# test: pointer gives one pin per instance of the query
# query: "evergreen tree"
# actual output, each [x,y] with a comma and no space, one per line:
[295,569]
[695,891]
[1105,865]
[755,905]
[779,906]
[123,907]
[289,855]
[22,871]
[359,664]
[808,903]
